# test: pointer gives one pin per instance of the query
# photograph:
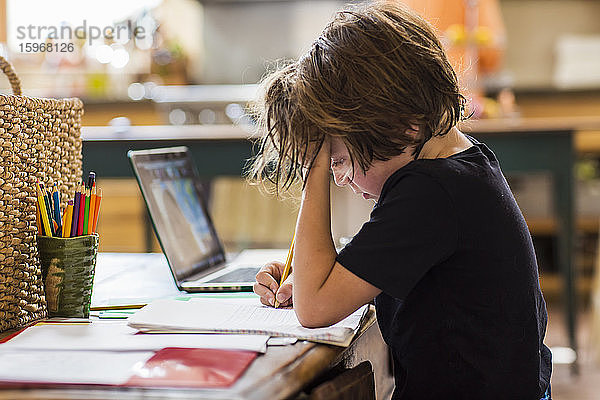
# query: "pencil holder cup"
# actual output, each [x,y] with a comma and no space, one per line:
[68,266]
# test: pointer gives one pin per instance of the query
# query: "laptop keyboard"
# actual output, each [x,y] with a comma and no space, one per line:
[237,275]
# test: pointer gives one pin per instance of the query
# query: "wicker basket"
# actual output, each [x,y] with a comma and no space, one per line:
[40,139]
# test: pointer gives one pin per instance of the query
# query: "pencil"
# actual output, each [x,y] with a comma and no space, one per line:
[49,206]
[38,219]
[57,213]
[63,220]
[97,209]
[90,229]
[48,211]
[86,212]
[81,210]
[288,265]
[49,198]
[68,219]
[75,217]
[43,214]
[91,179]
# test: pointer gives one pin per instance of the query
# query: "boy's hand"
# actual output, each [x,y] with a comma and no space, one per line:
[322,160]
[267,285]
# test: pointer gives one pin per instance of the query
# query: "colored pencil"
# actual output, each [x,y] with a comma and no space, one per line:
[68,219]
[62,223]
[79,217]
[48,211]
[38,219]
[92,211]
[57,211]
[48,203]
[51,212]
[97,209]
[91,179]
[49,197]
[288,265]
[81,210]
[86,212]
[75,217]
[43,213]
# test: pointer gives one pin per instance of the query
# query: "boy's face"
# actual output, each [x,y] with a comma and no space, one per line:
[368,184]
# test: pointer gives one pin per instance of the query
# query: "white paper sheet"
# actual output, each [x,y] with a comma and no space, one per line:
[112,368]
[210,315]
[116,335]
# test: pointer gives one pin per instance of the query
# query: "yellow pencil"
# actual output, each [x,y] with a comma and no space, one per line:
[43,212]
[68,220]
[288,266]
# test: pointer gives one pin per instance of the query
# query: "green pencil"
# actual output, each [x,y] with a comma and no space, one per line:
[86,214]
[48,210]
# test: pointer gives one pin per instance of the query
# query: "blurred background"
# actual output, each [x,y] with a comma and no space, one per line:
[153,71]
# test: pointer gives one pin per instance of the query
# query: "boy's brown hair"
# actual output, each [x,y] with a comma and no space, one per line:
[376,71]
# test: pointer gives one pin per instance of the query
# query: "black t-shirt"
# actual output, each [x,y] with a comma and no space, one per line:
[461,307]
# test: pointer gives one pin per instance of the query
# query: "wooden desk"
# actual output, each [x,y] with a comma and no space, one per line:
[522,145]
[281,373]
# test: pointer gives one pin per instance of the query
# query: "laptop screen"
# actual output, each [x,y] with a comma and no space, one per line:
[173,194]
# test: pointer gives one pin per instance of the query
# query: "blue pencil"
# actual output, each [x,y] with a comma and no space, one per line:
[75,214]
[57,212]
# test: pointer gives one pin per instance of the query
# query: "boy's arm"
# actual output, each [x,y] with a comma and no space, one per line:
[324,291]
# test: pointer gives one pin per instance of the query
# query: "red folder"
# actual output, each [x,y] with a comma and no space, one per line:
[192,368]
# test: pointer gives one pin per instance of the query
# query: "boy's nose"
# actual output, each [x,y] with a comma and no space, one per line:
[341,178]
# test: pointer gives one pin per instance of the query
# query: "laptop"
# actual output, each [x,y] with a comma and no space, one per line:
[175,198]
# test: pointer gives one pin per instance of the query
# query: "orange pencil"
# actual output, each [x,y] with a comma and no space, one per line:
[68,219]
[97,209]
[90,227]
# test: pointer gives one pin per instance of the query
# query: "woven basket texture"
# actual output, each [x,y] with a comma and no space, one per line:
[40,139]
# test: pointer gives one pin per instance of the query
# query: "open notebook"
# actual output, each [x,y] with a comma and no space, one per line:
[212,315]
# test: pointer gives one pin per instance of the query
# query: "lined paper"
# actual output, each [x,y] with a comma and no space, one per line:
[209,315]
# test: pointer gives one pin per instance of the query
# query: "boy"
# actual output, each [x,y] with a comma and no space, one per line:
[446,253]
